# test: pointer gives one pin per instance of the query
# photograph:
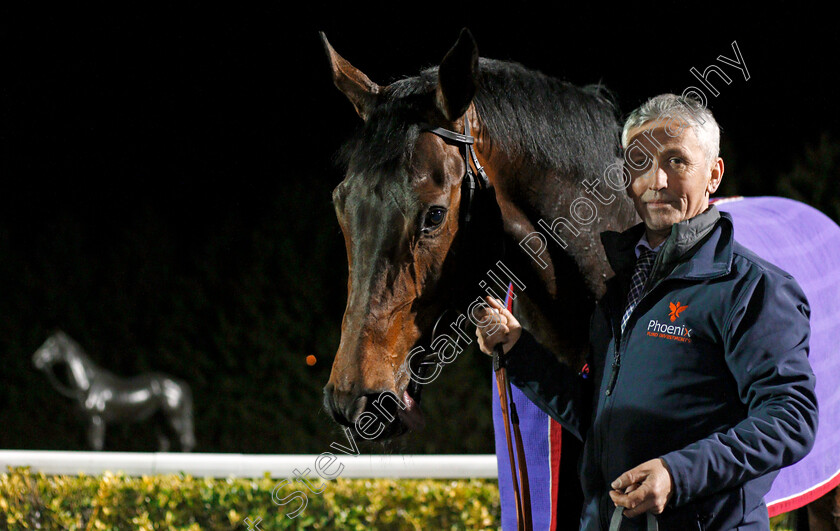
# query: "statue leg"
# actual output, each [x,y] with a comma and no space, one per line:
[178,409]
[96,433]
[181,419]
[188,436]
[824,512]
[163,440]
[182,422]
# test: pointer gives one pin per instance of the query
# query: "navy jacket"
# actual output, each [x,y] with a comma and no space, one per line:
[711,375]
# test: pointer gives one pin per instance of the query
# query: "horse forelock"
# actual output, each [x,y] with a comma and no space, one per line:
[384,143]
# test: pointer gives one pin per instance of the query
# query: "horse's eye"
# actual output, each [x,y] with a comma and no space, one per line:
[434,217]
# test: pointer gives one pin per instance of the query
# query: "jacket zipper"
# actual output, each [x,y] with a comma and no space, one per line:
[618,340]
[621,340]
[616,364]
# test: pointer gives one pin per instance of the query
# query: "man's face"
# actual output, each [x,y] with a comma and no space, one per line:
[675,183]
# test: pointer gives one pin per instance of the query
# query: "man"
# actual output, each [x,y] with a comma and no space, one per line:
[699,387]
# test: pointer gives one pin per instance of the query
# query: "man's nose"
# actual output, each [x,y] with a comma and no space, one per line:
[659,179]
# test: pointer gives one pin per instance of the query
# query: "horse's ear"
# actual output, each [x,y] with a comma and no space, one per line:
[360,90]
[458,77]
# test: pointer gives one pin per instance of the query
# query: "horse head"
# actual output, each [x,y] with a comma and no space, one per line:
[51,351]
[401,211]
[60,348]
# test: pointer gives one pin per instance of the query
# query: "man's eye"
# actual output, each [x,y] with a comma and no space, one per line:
[676,160]
[434,217]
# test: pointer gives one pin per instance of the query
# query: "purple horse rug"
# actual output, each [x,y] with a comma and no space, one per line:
[805,243]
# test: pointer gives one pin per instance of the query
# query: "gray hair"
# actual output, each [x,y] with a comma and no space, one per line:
[675,112]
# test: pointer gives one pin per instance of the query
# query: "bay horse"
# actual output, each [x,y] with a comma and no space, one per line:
[104,397]
[419,241]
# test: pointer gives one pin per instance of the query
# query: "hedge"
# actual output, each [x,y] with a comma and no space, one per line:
[181,502]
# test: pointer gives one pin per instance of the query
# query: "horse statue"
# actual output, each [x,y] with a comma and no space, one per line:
[104,397]
[428,232]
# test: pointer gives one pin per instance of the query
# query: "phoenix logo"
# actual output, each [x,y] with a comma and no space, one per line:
[676,309]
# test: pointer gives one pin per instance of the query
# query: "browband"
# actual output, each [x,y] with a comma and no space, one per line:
[446,133]
[468,141]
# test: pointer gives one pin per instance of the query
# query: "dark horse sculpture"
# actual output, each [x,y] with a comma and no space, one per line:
[412,257]
[104,397]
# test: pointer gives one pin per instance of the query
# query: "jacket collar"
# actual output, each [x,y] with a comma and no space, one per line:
[713,258]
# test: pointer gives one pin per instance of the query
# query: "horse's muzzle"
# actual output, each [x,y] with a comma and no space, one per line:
[372,415]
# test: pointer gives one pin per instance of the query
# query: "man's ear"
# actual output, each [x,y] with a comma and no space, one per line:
[717,175]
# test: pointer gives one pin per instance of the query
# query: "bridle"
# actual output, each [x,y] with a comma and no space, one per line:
[471,183]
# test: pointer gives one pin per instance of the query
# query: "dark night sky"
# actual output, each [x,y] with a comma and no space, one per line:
[198,111]
[201,117]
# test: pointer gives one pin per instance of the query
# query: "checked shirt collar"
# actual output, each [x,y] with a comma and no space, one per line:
[644,262]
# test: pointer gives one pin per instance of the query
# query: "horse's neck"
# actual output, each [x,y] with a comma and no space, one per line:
[82,370]
[563,283]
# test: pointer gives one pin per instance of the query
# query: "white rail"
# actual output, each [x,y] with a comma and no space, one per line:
[252,465]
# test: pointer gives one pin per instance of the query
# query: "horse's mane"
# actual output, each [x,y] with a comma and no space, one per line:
[539,120]
[76,349]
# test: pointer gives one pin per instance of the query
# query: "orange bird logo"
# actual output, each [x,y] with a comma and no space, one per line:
[676,309]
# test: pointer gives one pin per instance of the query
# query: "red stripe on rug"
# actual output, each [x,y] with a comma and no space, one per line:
[555,442]
[795,502]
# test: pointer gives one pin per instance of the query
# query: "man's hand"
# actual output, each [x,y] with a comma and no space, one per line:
[648,487]
[503,325]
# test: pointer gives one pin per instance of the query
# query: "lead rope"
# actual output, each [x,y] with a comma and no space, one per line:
[615,522]
[510,417]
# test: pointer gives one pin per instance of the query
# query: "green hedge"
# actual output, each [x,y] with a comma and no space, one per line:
[177,502]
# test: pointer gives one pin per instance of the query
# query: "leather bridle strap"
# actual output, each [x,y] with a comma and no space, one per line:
[464,138]
[468,141]
[523,495]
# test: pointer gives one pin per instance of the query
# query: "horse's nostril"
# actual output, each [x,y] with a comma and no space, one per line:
[344,407]
[330,405]
[355,408]
[328,393]
[373,415]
